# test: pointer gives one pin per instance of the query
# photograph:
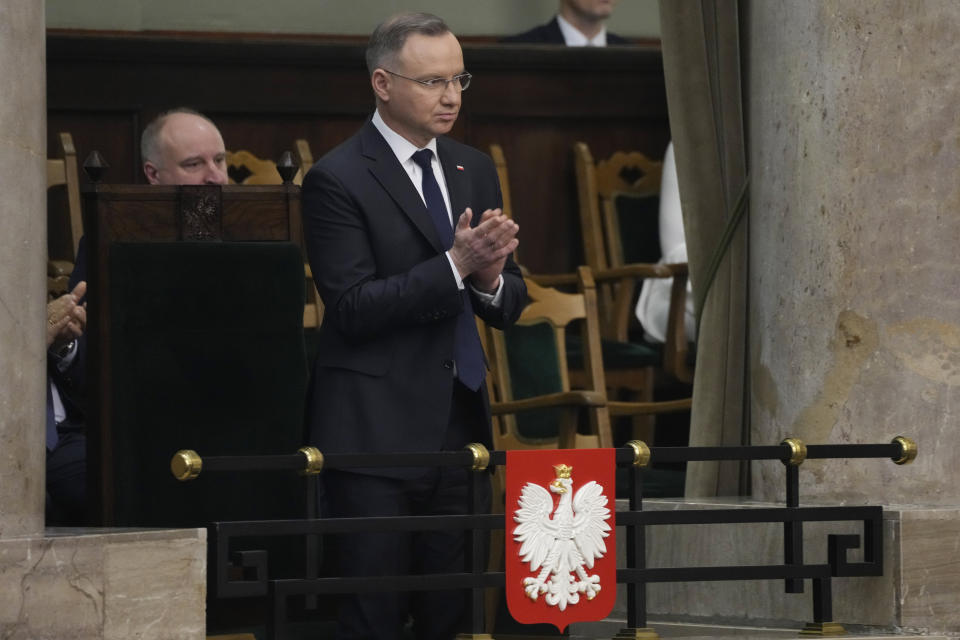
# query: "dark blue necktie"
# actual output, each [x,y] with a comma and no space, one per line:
[467,352]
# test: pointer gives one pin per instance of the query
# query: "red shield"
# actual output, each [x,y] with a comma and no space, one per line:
[560,554]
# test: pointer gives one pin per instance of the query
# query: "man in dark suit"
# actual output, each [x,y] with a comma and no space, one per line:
[578,23]
[407,242]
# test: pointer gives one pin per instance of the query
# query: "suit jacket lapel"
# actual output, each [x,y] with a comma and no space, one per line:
[386,169]
[456,182]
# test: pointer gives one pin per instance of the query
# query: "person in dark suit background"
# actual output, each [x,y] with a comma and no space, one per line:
[180,146]
[406,242]
[65,437]
[578,23]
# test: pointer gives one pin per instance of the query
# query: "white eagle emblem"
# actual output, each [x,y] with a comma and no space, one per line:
[563,544]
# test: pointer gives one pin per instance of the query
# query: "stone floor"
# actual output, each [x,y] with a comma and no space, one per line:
[607,629]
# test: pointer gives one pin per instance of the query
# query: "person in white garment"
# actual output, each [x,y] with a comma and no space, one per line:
[653,306]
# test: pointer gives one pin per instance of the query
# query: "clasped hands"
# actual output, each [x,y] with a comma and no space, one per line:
[66,318]
[480,252]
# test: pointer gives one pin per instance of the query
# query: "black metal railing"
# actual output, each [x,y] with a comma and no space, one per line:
[246,573]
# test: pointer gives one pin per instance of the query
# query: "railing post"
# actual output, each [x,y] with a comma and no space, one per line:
[793,531]
[312,550]
[276,626]
[476,558]
[822,624]
[637,551]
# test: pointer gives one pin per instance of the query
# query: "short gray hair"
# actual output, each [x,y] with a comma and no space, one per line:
[388,39]
[150,139]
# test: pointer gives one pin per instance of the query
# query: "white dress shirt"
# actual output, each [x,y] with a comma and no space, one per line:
[574,38]
[403,149]
[653,306]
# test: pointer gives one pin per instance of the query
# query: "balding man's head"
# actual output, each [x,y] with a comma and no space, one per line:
[182,146]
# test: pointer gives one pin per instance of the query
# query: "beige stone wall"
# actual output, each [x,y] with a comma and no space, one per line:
[104,585]
[23,256]
[634,18]
[854,226]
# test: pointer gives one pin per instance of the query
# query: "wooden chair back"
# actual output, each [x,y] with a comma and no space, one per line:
[632,181]
[64,221]
[552,312]
[628,173]
[243,167]
[599,185]
[500,161]
[303,156]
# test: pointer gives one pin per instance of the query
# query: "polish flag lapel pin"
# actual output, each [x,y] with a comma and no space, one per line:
[459,167]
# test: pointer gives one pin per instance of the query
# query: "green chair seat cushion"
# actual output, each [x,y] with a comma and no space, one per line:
[616,355]
[534,371]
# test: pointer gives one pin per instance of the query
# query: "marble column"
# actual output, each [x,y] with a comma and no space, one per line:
[23,256]
[854,317]
[84,584]
[855,220]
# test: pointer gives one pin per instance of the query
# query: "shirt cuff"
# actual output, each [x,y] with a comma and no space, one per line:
[491,299]
[456,273]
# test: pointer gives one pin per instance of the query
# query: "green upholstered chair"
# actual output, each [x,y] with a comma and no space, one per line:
[529,373]
[619,203]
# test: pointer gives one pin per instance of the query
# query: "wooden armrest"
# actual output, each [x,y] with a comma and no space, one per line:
[635,270]
[676,345]
[553,279]
[679,268]
[638,408]
[559,399]
[56,268]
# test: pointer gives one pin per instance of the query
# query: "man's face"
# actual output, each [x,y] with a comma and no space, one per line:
[592,9]
[416,112]
[190,151]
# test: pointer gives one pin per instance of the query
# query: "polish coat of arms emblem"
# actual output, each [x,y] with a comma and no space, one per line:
[563,530]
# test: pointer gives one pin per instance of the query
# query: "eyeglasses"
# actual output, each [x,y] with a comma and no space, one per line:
[438,85]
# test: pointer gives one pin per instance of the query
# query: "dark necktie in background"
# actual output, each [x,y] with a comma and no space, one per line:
[467,352]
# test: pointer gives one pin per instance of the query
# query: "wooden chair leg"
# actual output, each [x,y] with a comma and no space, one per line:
[643,424]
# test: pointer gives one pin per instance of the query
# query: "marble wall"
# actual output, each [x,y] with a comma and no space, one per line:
[23,258]
[111,585]
[917,593]
[54,585]
[854,144]
[632,18]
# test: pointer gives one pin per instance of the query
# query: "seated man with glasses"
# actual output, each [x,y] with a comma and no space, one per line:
[407,244]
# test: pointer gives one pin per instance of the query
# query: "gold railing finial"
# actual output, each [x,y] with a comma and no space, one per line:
[798,451]
[314,461]
[186,465]
[481,456]
[641,453]
[909,450]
